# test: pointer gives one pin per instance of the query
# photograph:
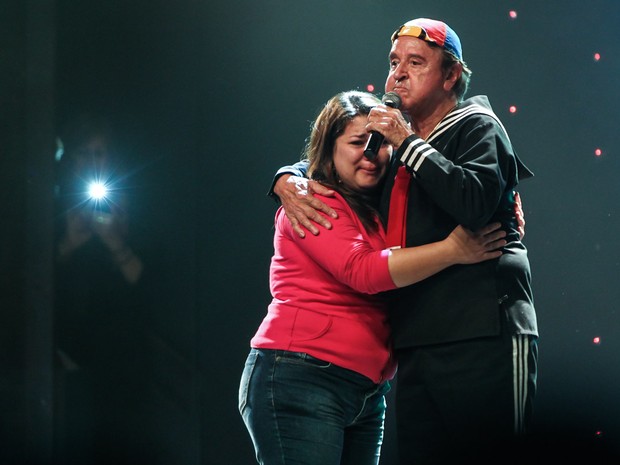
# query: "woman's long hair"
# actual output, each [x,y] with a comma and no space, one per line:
[319,151]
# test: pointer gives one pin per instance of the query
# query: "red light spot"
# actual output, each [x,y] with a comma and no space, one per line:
[596,340]
[370,88]
[597,56]
[599,434]
[512,109]
[512,14]
[598,152]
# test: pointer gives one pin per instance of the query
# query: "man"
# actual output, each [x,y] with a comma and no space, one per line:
[465,339]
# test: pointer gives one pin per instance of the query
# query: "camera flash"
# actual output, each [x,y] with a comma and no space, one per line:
[97,190]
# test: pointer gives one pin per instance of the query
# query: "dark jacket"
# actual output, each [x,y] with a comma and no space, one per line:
[464,173]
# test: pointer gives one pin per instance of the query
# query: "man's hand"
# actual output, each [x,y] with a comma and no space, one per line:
[391,123]
[300,206]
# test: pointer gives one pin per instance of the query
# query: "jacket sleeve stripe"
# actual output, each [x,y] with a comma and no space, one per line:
[416,152]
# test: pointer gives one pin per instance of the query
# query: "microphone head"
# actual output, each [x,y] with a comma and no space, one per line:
[391,99]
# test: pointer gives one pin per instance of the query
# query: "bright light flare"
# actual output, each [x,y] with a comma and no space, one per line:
[97,190]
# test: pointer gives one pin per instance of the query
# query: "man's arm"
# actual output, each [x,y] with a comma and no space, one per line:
[468,187]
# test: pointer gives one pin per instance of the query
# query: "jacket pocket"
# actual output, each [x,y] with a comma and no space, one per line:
[310,325]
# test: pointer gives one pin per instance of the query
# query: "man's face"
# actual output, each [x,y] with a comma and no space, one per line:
[416,75]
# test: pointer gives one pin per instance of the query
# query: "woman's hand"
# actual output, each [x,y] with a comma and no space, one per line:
[519,215]
[474,247]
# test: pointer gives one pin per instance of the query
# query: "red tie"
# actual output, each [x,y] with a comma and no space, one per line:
[397,217]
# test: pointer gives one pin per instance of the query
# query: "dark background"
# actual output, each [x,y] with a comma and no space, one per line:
[210,99]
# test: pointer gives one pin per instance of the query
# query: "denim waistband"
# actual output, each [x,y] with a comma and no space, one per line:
[351,375]
[297,355]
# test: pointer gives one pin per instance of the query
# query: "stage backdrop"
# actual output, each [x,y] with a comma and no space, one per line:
[210,98]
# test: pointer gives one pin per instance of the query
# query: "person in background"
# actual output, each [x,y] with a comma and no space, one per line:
[313,387]
[98,299]
[466,338]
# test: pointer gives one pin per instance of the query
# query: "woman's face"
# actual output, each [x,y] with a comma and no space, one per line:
[354,169]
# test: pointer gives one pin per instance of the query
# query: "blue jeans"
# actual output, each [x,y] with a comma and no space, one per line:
[300,410]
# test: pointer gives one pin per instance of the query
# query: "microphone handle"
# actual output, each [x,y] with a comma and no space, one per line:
[376,139]
[373,145]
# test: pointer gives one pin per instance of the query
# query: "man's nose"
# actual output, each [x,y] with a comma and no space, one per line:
[399,72]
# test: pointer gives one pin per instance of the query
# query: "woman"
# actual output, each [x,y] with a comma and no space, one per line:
[314,384]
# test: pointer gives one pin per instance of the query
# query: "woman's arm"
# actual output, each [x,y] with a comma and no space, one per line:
[346,253]
[412,264]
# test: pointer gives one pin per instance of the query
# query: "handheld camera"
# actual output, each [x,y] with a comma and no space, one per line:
[98,194]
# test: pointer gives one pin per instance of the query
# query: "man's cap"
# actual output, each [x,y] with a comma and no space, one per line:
[434,31]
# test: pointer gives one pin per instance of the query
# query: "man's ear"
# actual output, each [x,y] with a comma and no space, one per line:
[452,76]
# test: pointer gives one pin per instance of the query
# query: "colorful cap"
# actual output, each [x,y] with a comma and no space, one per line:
[434,31]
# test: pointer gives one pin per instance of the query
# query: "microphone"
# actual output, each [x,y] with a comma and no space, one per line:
[391,99]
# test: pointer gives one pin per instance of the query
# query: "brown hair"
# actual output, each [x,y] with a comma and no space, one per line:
[319,151]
